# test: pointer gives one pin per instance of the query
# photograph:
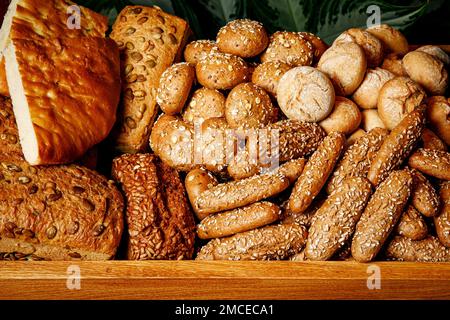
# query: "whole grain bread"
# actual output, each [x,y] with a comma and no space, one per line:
[160,222]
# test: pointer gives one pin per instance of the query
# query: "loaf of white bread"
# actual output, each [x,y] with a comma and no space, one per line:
[64,81]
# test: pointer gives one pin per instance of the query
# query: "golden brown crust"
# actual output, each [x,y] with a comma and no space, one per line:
[393,63]
[268,74]
[221,71]
[434,163]
[316,172]
[198,50]
[4,91]
[424,197]
[204,104]
[150,40]
[427,250]
[334,223]
[438,113]
[289,47]
[174,87]
[355,136]
[197,181]
[319,46]
[344,118]
[243,219]
[442,222]
[392,39]
[397,146]
[160,222]
[366,96]
[381,215]
[370,119]
[431,141]
[412,225]
[397,98]
[243,37]
[304,218]
[357,159]
[9,135]
[276,242]
[436,52]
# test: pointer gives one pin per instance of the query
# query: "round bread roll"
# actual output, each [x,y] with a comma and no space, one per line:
[372,46]
[305,94]
[438,113]
[249,106]
[318,44]
[345,64]
[370,119]
[221,71]
[268,74]
[213,144]
[436,52]
[243,37]
[355,136]
[427,71]
[392,39]
[398,97]
[199,50]
[204,104]
[393,63]
[174,87]
[366,96]
[289,47]
[344,118]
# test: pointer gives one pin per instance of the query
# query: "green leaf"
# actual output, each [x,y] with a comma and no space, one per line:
[225,10]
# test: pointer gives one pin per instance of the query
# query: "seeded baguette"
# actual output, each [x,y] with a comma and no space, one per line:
[197,181]
[424,197]
[427,250]
[431,141]
[434,163]
[356,160]
[316,172]
[335,221]
[275,242]
[381,215]
[150,40]
[397,146]
[442,222]
[160,222]
[238,220]
[412,225]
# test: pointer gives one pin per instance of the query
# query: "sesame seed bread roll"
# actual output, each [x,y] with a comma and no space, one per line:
[345,64]
[305,94]
[366,96]
[427,250]
[392,39]
[204,104]
[370,119]
[289,47]
[431,141]
[357,159]
[412,225]
[199,50]
[397,146]
[344,118]
[397,98]
[424,197]
[434,163]
[393,63]
[243,37]
[197,181]
[438,114]
[174,87]
[355,136]
[316,172]
[381,215]
[319,46]
[243,219]
[275,242]
[267,75]
[442,222]
[436,52]
[304,218]
[335,221]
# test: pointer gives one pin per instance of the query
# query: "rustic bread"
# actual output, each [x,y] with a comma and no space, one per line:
[4,91]
[150,40]
[204,104]
[438,114]
[160,221]
[268,74]
[370,119]
[392,39]
[436,52]
[393,63]
[344,118]
[366,96]
[198,50]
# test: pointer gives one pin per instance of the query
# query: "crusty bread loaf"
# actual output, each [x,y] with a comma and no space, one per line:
[4,91]
[150,40]
[160,221]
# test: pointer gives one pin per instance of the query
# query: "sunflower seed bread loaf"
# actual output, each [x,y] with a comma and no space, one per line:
[160,222]
[150,40]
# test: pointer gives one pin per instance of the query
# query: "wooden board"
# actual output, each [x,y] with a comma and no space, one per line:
[224,280]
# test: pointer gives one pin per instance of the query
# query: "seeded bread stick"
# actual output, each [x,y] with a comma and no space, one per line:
[442,221]
[197,181]
[381,215]
[397,146]
[335,221]
[356,160]
[412,225]
[427,250]
[434,163]
[431,141]
[316,172]
[238,220]
[424,197]
[275,242]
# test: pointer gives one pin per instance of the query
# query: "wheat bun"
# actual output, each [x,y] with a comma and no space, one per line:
[345,64]
[398,97]
[438,113]
[204,104]
[199,50]
[366,96]
[393,63]
[392,39]
[436,52]
[370,119]
[305,94]
[243,37]
[268,74]
[344,118]
[427,71]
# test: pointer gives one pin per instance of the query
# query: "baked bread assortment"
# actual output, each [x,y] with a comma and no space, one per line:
[254,146]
